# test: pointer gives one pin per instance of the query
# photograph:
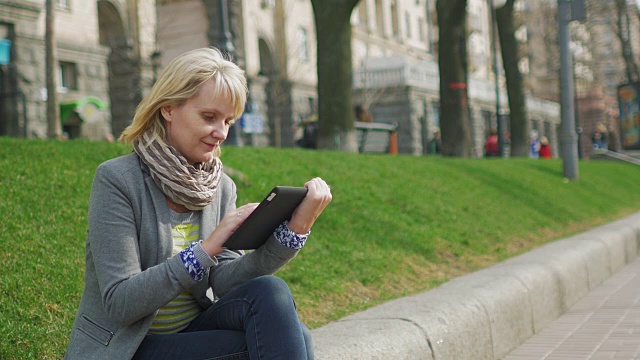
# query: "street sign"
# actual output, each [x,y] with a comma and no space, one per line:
[252,123]
[5,51]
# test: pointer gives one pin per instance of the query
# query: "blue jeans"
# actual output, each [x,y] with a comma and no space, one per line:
[256,320]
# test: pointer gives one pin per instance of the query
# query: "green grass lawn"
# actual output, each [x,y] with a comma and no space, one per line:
[397,225]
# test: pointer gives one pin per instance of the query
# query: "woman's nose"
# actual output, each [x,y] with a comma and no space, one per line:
[220,131]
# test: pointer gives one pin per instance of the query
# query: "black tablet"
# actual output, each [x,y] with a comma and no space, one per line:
[276,207]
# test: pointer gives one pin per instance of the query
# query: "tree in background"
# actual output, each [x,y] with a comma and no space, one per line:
[335,97]
[623,31]
[452,63]
[612,17]
[515,88]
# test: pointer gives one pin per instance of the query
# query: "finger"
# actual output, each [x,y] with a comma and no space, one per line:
[247,209]
[323,187]
[326,187]
[318,184]
[249,205]
[318,196]
[240,214]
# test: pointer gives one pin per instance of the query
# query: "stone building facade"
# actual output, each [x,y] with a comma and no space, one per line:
[598,62]
[394,59]
[113,49]
[104,53]
[395,52]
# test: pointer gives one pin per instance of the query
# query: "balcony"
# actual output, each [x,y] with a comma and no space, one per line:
[395,72]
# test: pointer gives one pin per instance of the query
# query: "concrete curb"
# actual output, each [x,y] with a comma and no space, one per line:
[488,313]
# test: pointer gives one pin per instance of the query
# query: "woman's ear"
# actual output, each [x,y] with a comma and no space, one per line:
[166,111]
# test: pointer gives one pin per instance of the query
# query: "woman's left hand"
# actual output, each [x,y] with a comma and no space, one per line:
[317,198]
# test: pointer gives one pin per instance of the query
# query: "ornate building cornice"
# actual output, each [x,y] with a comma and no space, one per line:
[20,10]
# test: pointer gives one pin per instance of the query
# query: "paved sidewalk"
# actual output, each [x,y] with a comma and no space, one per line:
[605,324]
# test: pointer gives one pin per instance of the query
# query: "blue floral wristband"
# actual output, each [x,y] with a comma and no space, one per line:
[289,238]
[191,264]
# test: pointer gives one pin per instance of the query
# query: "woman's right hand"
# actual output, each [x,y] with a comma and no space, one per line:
[229,224]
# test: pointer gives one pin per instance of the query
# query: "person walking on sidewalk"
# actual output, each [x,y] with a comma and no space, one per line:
[158,282]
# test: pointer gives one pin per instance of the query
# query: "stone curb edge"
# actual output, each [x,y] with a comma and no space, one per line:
[488,313]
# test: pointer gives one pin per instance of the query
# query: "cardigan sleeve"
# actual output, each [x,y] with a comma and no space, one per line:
[128,291]
[266,260]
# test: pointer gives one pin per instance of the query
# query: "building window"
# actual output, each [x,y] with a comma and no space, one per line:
[535,125]
[379,17]
[67,76]
[268,4]
[489,122]
[395,27]
[435,107]
[421,29]
[523,65]
[312,105]
[303,44]
[521,34]
[362,15]
[407,18]
[63,4]
[430,19]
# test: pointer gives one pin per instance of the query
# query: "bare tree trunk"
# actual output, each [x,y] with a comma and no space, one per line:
[335,97]
[452,61]
[53,111]
[624,35]
[515,91]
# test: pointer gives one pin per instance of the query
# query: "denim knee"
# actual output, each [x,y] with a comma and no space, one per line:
[270,284]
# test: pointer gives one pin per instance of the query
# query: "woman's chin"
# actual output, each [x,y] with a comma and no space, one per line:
[207,157]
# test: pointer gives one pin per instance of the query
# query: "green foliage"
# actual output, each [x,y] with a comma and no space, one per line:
[397,224]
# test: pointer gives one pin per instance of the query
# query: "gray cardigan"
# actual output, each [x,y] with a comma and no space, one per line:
[129,273]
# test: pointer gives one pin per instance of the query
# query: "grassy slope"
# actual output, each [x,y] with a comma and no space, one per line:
[397,225]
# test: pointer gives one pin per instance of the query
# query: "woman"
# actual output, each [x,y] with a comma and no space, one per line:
[157,222]
[599,137]
[545,148]
[491,146]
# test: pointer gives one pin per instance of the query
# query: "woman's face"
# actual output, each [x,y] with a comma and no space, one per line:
[198,127]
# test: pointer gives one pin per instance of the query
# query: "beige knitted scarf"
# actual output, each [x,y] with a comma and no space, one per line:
[188,185]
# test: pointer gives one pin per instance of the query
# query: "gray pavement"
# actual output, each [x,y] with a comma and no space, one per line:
[605,324]
[574,298]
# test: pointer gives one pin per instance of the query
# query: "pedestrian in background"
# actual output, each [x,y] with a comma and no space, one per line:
[600,138]
[435,144]
[534,145]
[363,114]
[491,146]
[545,148]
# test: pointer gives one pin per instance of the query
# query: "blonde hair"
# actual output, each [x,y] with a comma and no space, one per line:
[544,140]
[181,80]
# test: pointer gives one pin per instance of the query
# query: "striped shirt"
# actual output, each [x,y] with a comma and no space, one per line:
[177,314]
